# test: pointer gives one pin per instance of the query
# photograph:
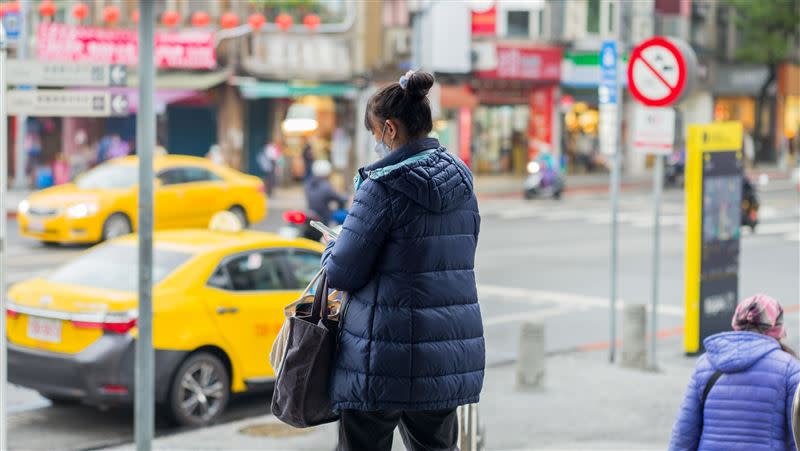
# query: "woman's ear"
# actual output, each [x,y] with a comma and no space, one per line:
[391,130]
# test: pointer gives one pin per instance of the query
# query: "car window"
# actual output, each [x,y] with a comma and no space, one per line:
[109,176]
[303,266]
[256,271]
[173,176]
[200,175]
[113,266]
[220,279]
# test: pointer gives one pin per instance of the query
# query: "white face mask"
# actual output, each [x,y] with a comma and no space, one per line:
[381,148]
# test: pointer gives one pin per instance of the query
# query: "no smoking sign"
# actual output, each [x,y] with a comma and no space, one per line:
[660,71]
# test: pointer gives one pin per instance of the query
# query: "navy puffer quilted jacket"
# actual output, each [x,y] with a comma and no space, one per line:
[411,336]
[749,406]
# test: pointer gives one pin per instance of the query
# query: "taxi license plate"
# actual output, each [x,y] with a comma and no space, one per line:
[36,226]
[44,329]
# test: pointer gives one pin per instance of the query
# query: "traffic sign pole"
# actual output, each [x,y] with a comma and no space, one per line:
[144,423]
[20,155]
[3,220]
[658,187]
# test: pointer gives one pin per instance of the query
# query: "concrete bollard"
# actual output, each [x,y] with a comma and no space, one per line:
[634,336]
[530,364]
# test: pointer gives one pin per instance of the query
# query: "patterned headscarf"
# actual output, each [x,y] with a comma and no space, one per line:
[761,314]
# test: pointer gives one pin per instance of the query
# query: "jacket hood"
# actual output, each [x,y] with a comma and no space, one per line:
[427,174]
[732,352]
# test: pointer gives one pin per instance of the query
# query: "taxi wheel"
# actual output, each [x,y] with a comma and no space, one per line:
[115,226]
[240,215]
[200,390]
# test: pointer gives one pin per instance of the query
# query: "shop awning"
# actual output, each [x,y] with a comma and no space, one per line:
[277,89]
[186,80]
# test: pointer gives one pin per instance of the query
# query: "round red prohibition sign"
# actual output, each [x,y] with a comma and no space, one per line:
[657,72]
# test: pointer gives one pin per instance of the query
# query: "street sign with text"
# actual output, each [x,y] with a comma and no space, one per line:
[607,94]
[58,74]
[51,102]
[654,130]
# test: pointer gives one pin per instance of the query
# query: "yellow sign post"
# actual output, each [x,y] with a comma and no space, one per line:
[714,177]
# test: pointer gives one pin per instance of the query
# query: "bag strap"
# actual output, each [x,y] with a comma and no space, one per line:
[289,309]
[320,307]
[713,380]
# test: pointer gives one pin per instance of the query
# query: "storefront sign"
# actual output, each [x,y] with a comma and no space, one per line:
[713,216]
[300,57]
[185,49]
[526,63]
[465,135]
[66,103]
[541,122]
[56,74]
[739,80]
[484,23]
[654,130]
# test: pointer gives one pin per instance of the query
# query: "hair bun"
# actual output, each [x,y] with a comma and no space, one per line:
[419,83]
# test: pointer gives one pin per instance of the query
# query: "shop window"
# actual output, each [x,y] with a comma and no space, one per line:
[518,24]
[593,16]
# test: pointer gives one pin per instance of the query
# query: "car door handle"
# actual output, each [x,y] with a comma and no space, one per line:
[225,310]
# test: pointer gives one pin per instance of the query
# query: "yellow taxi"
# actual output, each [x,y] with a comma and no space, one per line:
[218,300]
[101,204]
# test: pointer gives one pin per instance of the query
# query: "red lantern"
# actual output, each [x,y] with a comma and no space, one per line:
[111,14]
[284,21]
[201,19]
[80,11]
[47,8]
[170,18]
[256,21]
[229,20]
[311,21]
[135,16]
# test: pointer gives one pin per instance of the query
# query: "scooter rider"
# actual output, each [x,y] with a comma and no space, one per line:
[319,192]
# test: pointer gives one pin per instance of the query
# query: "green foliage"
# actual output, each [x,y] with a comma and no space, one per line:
[769,29]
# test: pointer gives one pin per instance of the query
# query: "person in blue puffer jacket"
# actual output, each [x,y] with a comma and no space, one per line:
[410,345]
[749,406]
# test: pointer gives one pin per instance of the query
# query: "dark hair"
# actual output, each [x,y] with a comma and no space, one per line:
[788,350]
[408,105]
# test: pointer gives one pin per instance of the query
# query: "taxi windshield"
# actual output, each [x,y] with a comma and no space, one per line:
[109,176]
[114,267]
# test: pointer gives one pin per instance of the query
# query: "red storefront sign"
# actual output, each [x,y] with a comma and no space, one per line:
[540,128]
[484,23]
[465,135]
[526,63]
[182,49]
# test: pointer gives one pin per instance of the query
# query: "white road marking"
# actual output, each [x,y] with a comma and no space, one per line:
[565,303]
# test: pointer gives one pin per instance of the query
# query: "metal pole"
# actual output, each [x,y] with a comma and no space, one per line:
[658,186]
[3,219]
[615,182]
[20,157]
[146,141]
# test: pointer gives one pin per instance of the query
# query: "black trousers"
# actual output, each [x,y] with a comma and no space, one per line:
[430,430]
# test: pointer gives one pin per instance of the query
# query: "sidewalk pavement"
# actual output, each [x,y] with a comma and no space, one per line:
[586,404]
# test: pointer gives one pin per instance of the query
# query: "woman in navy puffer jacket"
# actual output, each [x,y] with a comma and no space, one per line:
[749,406]
[411,345]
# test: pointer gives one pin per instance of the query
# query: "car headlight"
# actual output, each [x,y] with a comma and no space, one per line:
[24,207]
[533,167]
[82,210]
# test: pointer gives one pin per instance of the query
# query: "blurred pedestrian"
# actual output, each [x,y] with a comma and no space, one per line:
[319,192]
[267,160]
[411,345]
[215,155]
[740,395]
[308,157]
